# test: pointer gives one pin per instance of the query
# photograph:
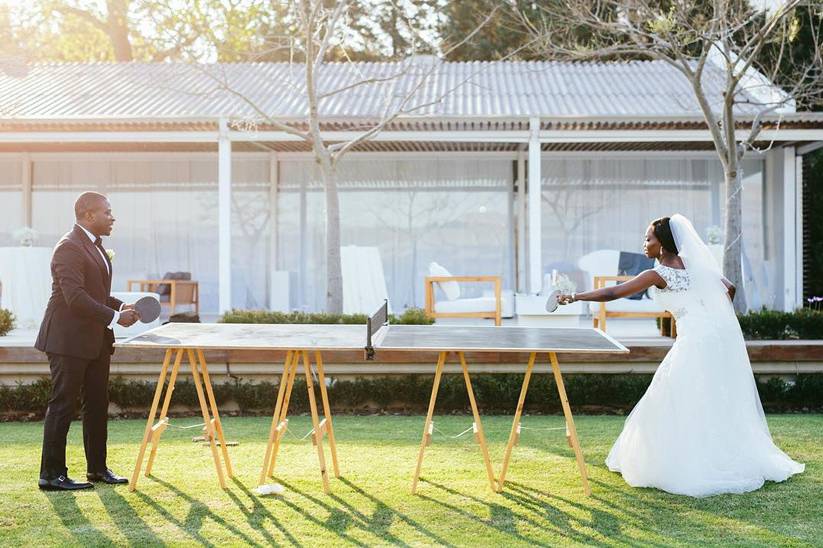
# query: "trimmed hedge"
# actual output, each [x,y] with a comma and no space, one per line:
[494,393]
[412,316]
[6,321]
[804,323]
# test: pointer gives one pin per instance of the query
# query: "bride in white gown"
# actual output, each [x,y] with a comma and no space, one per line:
[699,429]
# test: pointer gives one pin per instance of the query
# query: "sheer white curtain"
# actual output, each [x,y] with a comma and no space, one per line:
[11,213]
[608,202]
[166,211]
[455,211]
[591,204]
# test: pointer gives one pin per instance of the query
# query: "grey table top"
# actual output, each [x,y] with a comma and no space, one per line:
[237,336]
[495,339]
[393,337]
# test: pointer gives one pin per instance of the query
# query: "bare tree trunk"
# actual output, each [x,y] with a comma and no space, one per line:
[334,266]
[733,245]
[118,30]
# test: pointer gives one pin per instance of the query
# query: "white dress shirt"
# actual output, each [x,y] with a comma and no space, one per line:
[92,237]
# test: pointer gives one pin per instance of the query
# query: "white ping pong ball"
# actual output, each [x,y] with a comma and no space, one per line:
[482,209]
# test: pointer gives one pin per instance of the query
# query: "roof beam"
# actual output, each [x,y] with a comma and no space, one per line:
[545,136]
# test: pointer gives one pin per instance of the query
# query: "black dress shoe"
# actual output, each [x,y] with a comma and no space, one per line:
[107,477]
[62,483]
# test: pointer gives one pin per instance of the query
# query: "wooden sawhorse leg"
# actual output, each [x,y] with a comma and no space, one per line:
[289,373]
[215,421]
[151,428]
[210,417]
[571,431]
[280,422]
[477,426]
[514,436]
[318,427]
[428,425]
[277,428]
[324,396]
[163,422]
[208,408]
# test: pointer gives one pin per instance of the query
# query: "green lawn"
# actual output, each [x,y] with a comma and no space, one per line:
[371,503]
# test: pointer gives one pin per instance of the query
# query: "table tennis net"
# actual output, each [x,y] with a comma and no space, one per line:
[377,320]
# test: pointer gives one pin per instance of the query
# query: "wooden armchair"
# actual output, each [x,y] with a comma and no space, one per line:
[494,311]
[181,292]
[599,320]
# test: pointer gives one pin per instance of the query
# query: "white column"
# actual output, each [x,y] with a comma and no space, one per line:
[224,217]
[278,280]
[790,236]
[27,182]
[798,230]
[521,221]
[535,232]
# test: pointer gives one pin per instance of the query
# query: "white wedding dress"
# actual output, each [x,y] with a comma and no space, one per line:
[699,429]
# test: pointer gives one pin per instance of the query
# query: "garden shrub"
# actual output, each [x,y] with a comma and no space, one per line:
[6,321]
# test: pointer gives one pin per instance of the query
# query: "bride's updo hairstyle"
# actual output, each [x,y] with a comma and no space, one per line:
[663,233]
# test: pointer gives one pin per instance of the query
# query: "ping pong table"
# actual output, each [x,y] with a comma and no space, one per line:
[302,342]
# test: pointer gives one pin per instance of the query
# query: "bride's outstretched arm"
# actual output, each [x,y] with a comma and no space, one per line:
[639,283]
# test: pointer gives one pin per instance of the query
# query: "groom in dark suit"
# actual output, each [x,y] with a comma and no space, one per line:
[76,335]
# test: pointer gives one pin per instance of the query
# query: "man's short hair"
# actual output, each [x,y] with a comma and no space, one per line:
[86,202]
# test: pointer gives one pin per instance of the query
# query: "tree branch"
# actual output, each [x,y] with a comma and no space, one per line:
[84,15]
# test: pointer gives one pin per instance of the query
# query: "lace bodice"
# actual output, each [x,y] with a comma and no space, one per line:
[677,279]
[673,297]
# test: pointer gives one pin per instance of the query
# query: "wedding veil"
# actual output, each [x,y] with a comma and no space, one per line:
[705,277]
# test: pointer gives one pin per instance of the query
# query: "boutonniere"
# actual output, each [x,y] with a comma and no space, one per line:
[110,254]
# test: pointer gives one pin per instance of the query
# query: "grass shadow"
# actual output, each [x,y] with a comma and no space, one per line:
[385,513]
[125,518]
[377,524]
[66,508]
[258,514]
[329,524]
[560,520]
[193,521]
[602,521]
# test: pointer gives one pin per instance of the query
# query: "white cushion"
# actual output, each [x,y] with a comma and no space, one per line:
[479,304]
[627,305]
[506,301]
[476,304]
[450,289]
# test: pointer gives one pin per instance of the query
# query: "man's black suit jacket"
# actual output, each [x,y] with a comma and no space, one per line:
[80,308]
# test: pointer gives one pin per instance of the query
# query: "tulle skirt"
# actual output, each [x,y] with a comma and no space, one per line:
[699,429]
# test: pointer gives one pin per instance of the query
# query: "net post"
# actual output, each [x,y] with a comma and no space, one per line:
[373,324]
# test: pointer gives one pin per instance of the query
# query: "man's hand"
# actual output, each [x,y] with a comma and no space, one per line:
[127,307]
[128,317]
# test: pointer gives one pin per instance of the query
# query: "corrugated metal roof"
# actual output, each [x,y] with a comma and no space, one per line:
[140,91]
[367,146]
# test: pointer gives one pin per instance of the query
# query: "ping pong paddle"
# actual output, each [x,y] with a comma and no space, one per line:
[149,309]
[552,302]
